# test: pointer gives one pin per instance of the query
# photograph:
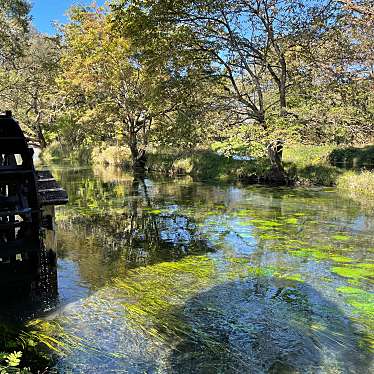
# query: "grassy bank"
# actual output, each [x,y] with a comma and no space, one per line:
[307,165]
[202,164]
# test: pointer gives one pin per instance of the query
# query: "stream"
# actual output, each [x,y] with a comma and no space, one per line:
[175,276]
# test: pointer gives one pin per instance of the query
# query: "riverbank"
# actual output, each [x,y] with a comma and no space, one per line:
[347,168]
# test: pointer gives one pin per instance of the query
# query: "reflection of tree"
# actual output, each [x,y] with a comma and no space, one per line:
[141,234]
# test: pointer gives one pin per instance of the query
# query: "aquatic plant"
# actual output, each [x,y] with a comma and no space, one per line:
[31,347]
[355,272]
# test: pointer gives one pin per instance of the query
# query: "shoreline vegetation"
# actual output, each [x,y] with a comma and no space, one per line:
[349,169]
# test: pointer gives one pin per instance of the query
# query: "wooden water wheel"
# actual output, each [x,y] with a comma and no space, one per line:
[24,194]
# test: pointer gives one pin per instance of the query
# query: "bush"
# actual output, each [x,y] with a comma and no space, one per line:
[183,166]
[114,155]
[57,151]
[303,155]
[54,151]
[318,175]
[206,164]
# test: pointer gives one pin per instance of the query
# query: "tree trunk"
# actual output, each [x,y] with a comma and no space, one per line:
[41,138]
[277,175]
[139,163]
[283,85]
[139,158]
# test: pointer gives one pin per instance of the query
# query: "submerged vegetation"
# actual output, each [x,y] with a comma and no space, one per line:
[203,272]
[30,346]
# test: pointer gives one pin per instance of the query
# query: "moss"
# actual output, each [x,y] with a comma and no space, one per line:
[270,237]
[155,211]
[363,305]
[245,213]
[293,277]
[320,254]
[310,252]
[260,223]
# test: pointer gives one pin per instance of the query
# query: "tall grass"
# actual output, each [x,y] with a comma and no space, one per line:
[359,186]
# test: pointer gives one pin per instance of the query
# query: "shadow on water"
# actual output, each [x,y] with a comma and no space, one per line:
[263,325]
[30,287]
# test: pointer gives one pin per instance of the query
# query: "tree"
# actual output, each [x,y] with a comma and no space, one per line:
[333,98]
[246,43]
[120,91]
[14,24]
[31,91]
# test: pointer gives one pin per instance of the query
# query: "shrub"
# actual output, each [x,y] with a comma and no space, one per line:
[53,152]
[57,151]
[183,166]
[114,155]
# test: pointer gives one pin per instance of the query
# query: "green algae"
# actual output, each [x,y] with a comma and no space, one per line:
[342,259]
[310,252]
[244,213]
[363,305]
[152,292]
[155,211]
[280,231]
[357,272]
[265,223]
[265,236]
[341,237]
[291,277]
[292,221]
[320,254]
[260,224]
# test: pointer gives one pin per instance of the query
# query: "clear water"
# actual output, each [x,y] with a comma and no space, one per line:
[176,276]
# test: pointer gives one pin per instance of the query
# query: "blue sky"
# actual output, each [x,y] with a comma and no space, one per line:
[45,12]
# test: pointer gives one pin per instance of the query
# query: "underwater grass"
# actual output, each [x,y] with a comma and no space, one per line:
[33,346]
[157,301]
[362,303]
[355,272]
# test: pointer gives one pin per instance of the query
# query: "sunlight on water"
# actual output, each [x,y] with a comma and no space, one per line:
[175,276]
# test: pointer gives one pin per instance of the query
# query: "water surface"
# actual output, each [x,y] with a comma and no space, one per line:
[176,276]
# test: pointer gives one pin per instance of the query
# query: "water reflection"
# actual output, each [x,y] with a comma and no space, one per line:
[29,285]
[137,233]
[161,275]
